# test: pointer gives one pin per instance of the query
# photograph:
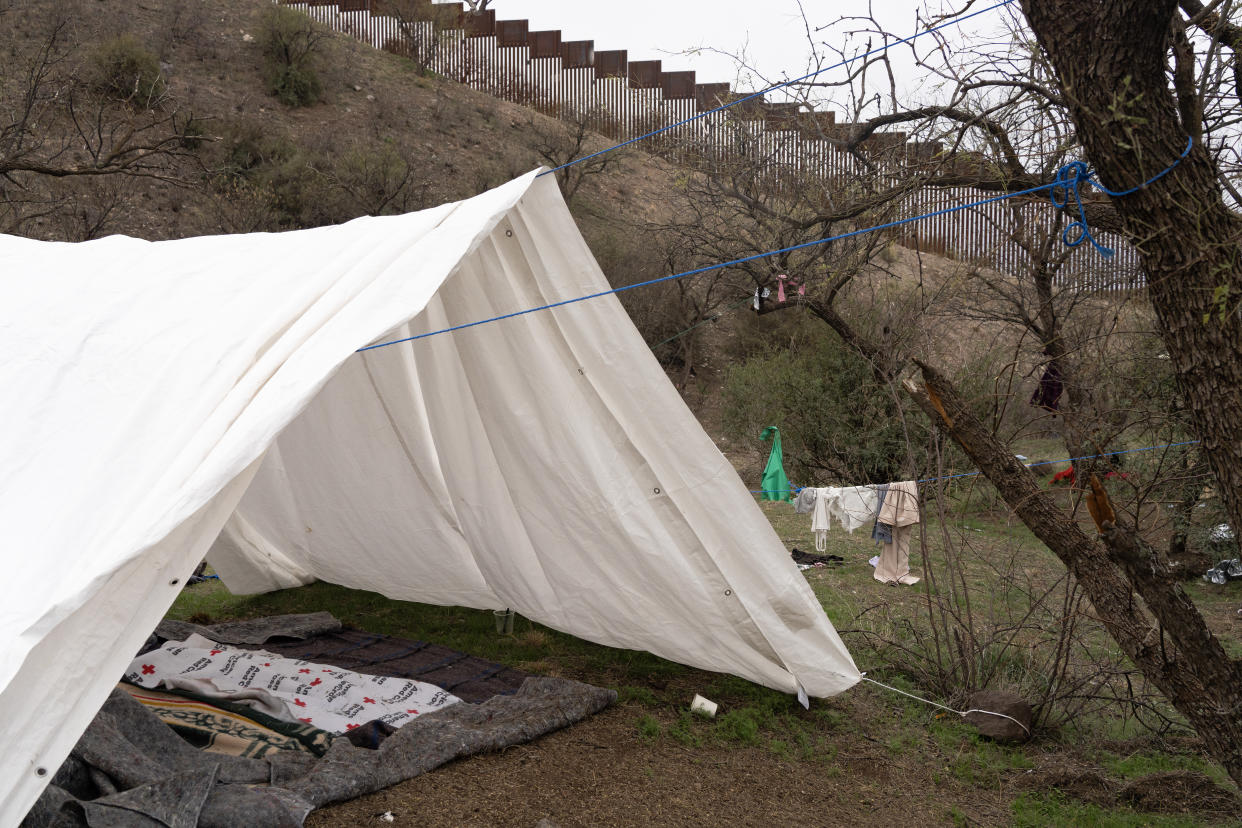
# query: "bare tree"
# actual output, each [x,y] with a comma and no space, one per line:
[376,182]
[58,127]
[568,145]
[421,25]
[1131,83]
[1128,83]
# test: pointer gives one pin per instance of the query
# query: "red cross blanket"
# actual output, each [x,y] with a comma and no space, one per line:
[328,697]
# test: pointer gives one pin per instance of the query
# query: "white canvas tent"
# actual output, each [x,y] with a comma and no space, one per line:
[165,401]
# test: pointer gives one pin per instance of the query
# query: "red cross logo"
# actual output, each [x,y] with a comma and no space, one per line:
[299,703]
[307,720]
[216,652]
[148,669]
[316,681]
[415,712]
[303,670]
[350,726]
[368,700]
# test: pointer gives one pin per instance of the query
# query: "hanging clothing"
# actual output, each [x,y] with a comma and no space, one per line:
[775,484]
[805,501]
[793,281]
[1048,395]
[821,516]
[881,532]
[855,506]
[850,506]
[899,512]
[894,563]
[901,504]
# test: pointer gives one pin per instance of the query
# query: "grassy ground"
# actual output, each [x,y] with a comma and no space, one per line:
[855,755]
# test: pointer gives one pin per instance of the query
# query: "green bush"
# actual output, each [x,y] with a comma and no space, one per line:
[193,133]
[294,86]
[123,69]
[251,158]
[291,45]
[836,424]
[246,148]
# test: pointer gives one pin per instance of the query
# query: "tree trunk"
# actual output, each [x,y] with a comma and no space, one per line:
[1176,651]
[1111,59]
[1191,667]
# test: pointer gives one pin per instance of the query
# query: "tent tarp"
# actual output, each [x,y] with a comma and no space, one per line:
[173,399]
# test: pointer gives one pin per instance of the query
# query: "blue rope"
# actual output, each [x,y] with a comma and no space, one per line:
[1068,186]
[1033,465]
[1062,180]
[711,267]
[763,92]
[1071,459]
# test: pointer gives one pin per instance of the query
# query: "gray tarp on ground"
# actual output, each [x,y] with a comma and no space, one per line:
[130,769]
[128,763]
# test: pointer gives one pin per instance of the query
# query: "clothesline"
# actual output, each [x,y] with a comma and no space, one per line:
[1067,183]
[1071,459]
[795,489]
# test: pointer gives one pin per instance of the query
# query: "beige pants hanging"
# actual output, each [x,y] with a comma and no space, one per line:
[894,565]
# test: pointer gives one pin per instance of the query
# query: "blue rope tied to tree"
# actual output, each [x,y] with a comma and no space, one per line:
[1062,180]
[1067,183]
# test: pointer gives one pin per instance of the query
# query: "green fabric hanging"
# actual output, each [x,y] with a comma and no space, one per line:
[775,484]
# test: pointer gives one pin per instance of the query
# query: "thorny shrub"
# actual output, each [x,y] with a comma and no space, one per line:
[123,69]
[291,44]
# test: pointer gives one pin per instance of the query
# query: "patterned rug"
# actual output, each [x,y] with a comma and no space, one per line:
[233,730]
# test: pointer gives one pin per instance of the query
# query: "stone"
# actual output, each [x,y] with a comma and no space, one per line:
[1011,728]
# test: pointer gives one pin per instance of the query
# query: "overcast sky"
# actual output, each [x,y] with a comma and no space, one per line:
[771,33]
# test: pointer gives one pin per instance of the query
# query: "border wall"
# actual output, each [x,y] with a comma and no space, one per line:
[624,98]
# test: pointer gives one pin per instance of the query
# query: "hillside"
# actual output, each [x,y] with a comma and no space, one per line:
[159,120]
[227,156]
[384,138]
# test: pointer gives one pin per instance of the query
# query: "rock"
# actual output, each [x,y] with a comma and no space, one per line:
[1011,728]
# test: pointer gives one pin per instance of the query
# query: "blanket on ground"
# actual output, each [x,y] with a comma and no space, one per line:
[220,727]
[316,694]
[129,769]
[468,677]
